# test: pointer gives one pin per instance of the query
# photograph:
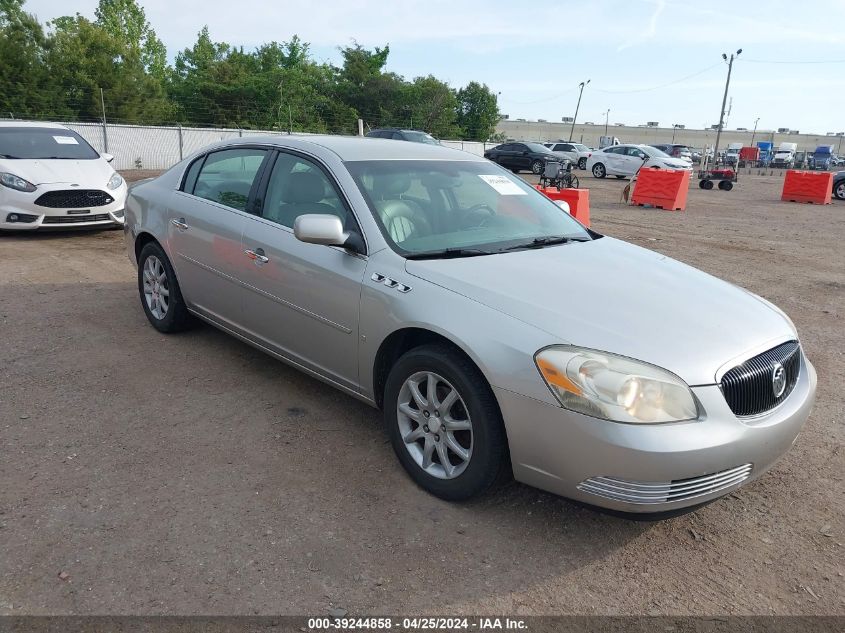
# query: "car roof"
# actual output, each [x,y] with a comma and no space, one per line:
[41,124]
[354,148]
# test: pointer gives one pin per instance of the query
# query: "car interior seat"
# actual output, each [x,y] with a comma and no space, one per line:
[402,218]
[301,192]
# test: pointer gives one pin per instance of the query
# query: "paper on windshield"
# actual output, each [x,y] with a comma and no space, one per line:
[503,185]
[66,140]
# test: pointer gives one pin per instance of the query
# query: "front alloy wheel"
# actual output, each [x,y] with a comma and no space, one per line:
[444,423]
[599,171]
[435,425]
[839,190]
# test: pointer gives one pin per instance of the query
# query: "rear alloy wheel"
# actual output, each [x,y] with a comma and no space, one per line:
[160,295]
[839,190]
[537,167]
[444,423]
[599,171]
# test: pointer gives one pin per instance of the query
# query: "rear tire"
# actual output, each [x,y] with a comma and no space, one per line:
[480,458]
[726,185]
[159,291]
[707,184]
[839,190]
[582,163]
[599,171]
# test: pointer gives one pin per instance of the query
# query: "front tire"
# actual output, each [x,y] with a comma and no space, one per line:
[599,171]
[444,423]
[160,295]
[839,190]
[537,167]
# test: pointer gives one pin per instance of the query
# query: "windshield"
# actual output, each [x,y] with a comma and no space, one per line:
[653,151]
[44,143]
[536,147]
[424,206]
[421,137]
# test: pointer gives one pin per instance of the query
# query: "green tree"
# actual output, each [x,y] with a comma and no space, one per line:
[126,19]
[25,82]
[478,111]
[83,58]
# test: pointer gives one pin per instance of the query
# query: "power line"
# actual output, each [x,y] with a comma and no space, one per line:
[791,61]
[666,85]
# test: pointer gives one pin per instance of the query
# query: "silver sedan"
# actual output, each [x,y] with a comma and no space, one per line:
[499,336]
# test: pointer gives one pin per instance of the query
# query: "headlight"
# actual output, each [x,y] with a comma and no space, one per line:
[115,181]
[615,388]
[16,182]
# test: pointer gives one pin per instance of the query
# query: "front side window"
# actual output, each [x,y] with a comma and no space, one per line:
[37,143]
[425,206]
[298,186]
[226,176]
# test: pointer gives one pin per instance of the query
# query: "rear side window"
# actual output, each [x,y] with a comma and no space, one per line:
[191,175]
[226,176]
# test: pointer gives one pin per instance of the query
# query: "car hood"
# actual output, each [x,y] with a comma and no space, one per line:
[674,162]
[616,297]
[94,173]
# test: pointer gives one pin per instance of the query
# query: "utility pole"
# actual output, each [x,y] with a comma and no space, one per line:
[754,133]
[572,129]
[105,132]
[724,101]
[606,120]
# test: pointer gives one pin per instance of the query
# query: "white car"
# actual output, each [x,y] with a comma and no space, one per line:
[625,160]
[51,177]
[575,152]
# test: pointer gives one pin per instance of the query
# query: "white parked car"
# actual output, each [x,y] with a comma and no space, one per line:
[575,152]
[625,160]
[51,177]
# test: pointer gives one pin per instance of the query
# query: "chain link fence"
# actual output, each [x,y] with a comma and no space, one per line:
[160,147]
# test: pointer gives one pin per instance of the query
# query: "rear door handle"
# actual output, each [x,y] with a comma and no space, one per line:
[257,255]
[179,224]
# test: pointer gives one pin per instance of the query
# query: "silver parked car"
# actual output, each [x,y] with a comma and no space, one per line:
[497,333]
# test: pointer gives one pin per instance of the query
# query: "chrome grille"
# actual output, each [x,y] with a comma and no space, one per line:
[644,493]
[74,199]
[748,388]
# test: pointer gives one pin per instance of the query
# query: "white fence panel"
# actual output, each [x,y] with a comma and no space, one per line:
[157,147]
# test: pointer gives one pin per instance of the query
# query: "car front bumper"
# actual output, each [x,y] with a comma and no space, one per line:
[18,211]
[650,468]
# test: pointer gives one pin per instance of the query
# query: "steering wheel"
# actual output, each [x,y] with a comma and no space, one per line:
[482,211]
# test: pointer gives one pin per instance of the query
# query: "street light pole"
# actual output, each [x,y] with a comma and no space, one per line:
[724,101]
[572,129]
[606,120]
[754,133]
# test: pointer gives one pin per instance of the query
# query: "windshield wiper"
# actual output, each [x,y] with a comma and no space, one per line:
[540,242]
[449,253]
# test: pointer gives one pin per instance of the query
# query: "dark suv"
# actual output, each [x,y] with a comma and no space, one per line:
[675,150]
[415,136]
[521,156]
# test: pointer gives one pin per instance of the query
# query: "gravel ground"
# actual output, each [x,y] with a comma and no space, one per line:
[151,474]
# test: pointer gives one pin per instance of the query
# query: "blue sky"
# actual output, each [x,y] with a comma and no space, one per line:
[536,54]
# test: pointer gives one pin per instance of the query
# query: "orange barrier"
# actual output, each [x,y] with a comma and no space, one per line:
[662,188]
[577,199]
[807,186]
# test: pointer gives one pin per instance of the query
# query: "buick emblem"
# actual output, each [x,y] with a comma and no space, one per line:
[778,380]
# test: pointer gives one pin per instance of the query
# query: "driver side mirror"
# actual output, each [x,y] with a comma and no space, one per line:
[107,157]
[326,229]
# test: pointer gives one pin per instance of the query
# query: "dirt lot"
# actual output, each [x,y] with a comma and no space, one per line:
[186,474]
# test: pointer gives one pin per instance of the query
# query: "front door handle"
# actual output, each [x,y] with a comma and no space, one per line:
[257,255]
[179,224]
